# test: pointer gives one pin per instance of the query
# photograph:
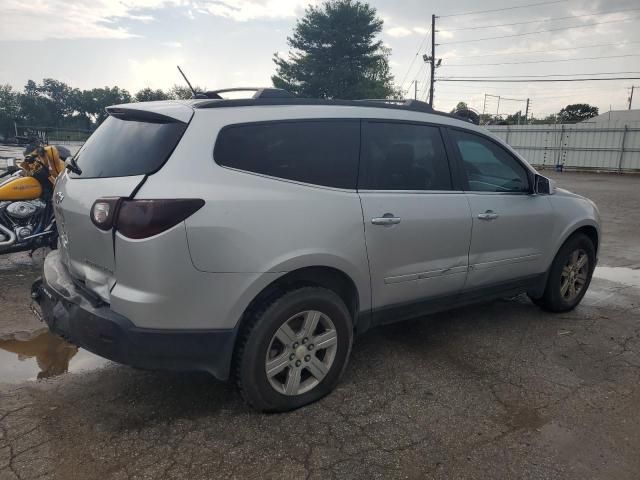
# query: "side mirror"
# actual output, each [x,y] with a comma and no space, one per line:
[544,185]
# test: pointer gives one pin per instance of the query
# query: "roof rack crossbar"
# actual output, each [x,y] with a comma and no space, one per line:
[260,92]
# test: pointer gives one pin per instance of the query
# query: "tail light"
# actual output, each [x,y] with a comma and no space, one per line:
[104,211]
[142,218]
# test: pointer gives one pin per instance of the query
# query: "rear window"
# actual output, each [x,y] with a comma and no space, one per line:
[124,147]
[323,152]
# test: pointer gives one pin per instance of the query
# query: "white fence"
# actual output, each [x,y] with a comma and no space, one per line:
[609,146]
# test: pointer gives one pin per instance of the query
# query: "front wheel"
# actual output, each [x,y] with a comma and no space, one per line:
[569,275]
[294,350]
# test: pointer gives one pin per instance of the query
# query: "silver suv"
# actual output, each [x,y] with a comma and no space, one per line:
[252,238]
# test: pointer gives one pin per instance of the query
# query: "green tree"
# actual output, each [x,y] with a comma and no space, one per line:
[460,106]
[182,92]
[336,54]
[95,101]
[577,112]
[548,120]
[59,94]
[35,108]
[149,95]
[515,118]
[9,109]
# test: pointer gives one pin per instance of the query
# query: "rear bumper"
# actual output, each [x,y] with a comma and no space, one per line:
[83,321]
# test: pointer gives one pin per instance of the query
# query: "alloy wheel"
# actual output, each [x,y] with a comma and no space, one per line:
[574,275]
[301,353]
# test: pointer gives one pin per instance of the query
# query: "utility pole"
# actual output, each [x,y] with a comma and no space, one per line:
[484,104]
[526,112]
[415,89]
[631,96]
[433,58]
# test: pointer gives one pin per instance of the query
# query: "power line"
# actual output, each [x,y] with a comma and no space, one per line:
[524,52]
[541,61]
[417,76]
[540,20]
[556,75]
[426,36]
[539,31]
[502,9]
[534,80]
[561,90]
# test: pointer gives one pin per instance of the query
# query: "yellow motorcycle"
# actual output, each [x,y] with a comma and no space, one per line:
[26,208]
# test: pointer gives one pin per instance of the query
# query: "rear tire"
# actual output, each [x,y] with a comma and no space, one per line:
[294,350]
[569,276]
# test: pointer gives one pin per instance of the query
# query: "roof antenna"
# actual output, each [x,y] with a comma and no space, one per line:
[193,91]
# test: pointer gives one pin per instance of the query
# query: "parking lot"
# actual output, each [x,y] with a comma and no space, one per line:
[501,390]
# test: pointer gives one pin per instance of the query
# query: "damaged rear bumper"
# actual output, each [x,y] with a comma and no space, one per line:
[85,321]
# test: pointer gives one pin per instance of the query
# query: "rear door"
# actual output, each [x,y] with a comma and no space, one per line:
[129,145]
[417,226]
[511,226]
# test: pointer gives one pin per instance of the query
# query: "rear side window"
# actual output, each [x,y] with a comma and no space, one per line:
[323,152]
[121,147]
[403,156]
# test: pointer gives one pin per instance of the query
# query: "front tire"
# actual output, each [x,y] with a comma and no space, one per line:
[569,276]
[294,350]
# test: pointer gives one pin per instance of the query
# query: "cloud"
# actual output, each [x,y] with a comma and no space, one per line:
[399,32]
[141,18]
[444,33]
[244,10]
[70,19]
[172,44]
[144,72]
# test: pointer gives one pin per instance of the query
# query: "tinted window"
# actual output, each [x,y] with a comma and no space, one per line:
[489,167]
[402,156]
[318,152]
[119,148]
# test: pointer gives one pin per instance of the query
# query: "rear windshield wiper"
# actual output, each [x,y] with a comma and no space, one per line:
[73,166]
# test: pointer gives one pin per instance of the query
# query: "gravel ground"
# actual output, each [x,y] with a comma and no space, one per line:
[501,390]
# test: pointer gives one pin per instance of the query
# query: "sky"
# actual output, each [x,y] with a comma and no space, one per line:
[229,43]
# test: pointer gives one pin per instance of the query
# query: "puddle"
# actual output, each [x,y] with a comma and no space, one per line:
[624,275]
[40,354]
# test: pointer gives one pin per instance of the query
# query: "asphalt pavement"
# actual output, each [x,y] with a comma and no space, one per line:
[501,390]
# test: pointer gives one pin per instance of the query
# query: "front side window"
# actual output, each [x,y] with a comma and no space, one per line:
[320,152]
[403,156]
[489,167]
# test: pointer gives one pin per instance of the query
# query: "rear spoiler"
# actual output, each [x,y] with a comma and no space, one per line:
[141,115]
[154,112]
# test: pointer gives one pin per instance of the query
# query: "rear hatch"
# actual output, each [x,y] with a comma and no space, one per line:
[133,142]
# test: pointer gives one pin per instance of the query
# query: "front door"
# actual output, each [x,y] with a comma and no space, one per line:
[511,226]
[417,226]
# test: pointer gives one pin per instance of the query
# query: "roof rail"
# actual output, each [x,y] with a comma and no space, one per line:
[407,103]
[260,92]
[280,97]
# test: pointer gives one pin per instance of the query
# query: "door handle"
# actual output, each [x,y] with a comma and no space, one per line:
[387,219]
[488,215]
